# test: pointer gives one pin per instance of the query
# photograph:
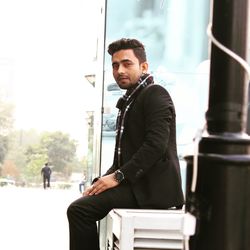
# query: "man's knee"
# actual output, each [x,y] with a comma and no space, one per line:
[88,209]
[72,210]
[69,211]
[78,208]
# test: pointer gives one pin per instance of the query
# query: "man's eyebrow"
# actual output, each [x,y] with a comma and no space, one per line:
[122,61]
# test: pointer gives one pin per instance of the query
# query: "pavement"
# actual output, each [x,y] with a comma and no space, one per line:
[34,218]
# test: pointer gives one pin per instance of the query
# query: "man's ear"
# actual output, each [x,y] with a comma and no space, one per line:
[144,67]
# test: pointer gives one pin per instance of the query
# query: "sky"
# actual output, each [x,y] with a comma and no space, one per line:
[46,48]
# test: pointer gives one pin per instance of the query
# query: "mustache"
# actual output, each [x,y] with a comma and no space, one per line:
[122,77]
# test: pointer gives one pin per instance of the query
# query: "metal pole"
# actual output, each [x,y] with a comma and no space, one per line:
[221,201]
[228,86]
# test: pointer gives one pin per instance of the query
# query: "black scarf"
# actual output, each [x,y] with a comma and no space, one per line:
[124,104]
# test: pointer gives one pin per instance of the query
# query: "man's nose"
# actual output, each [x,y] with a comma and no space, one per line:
[121,69]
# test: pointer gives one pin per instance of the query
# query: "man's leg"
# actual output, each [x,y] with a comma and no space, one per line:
[48,181]
[81,186]
[44,182]
[86,211]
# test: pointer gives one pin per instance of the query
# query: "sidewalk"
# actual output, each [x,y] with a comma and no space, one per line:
[34,219]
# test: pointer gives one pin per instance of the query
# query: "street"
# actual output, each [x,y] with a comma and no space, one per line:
[34,219]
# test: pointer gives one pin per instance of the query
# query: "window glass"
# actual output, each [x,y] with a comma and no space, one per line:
[174,34]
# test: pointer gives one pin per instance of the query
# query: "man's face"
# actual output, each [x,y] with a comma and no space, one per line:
[126,68]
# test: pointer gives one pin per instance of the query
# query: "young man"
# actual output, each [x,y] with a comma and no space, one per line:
[145,172]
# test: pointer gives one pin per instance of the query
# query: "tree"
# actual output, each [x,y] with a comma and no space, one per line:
[19,143]
[6,117]
[9,169]
[36,156]
[3,147]
[54,147]
[6,124]
[61,150]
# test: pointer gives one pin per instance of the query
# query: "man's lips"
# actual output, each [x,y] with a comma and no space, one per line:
[122,78]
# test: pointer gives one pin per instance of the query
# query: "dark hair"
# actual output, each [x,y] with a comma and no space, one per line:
[126,43]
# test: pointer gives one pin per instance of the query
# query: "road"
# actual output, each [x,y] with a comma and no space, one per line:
[34,219]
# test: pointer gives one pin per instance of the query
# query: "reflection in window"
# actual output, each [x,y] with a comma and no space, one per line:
[174,34]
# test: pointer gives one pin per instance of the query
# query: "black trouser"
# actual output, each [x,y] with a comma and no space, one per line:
[46,181]
[86,211]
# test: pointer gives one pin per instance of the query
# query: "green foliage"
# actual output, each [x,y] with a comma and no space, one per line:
[54,147]
[61,150]
[36,156]
[19,142]
[29,150]
[6,117]
[35,152]
[6,123]
[33,169]
[3,147]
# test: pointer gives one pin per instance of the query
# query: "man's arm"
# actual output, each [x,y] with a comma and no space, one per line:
[110,170]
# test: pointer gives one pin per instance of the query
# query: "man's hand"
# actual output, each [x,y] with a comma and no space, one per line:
[102,184]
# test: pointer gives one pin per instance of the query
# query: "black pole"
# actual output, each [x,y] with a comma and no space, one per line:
[248,113]
[221,201]
[228,87]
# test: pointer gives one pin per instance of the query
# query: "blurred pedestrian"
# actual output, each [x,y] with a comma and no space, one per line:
[82,184]
[46,173]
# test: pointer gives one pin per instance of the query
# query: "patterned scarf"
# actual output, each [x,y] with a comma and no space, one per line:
[124,104]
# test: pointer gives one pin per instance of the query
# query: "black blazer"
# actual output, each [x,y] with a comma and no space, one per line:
[148,148]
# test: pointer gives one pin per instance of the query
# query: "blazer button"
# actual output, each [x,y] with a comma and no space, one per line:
[139,172]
